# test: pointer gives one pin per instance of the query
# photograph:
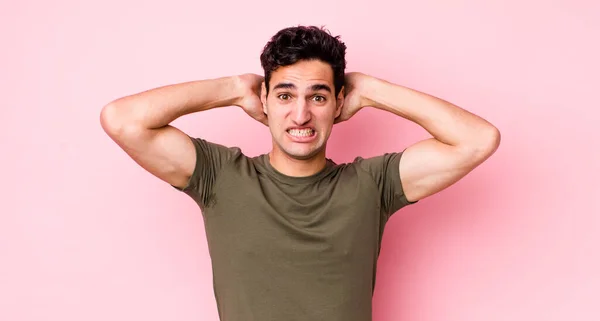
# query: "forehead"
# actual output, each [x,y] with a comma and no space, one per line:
[303,74]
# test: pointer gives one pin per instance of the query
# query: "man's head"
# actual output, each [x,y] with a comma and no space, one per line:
[294,44]
[303,90]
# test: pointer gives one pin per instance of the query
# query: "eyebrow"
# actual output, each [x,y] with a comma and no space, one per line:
[315,87]
[318,87]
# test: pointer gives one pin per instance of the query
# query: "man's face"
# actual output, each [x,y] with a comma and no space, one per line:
[301,108]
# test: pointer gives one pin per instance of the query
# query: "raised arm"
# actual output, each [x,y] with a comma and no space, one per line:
[461,140]
[139,123]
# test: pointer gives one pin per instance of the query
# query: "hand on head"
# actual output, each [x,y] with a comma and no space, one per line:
[353,95]
[249,87]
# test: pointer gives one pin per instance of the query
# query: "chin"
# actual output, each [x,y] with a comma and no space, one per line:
[299,151]
[301,154]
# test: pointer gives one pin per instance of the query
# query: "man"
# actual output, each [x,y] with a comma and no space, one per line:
[291,234]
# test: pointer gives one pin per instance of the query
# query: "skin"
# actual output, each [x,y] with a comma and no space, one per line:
[301,96]
[460,141]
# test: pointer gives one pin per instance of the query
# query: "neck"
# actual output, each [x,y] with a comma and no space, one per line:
[290,166]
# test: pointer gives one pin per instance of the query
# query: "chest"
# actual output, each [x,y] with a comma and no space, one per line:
[330,223]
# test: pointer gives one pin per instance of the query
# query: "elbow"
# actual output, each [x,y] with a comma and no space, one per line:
[493,140]
[116,123]
[109,118]
[487,144]
[482,144]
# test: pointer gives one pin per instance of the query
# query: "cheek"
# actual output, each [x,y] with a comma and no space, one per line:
[276,117]
[326,114]
[276,114]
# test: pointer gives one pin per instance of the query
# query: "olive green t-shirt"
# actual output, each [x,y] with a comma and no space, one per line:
[293,248]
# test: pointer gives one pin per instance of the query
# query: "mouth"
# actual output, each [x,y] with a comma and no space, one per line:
[301,132]
[302,135]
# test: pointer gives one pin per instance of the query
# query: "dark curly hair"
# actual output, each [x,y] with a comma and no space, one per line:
[293,44]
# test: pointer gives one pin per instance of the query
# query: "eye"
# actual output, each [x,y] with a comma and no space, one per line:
[284,96]
[319,99]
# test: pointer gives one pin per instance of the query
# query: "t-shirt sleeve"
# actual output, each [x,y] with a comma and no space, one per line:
[210,159]
[386,173]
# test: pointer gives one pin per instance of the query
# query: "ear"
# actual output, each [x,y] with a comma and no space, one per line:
[263,97]
[339,103]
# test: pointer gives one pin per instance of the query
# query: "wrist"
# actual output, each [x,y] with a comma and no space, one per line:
[244,86]
[235,89]
[369,87]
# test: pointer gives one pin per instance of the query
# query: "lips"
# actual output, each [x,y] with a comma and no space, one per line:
[301,134]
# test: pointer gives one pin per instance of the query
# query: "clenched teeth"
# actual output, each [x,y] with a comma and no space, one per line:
[301,132]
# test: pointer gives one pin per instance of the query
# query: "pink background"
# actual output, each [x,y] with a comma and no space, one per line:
[86,234]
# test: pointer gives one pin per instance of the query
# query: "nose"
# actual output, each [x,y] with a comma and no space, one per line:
[301,113]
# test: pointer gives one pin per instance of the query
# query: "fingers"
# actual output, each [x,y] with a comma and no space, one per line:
[263,119]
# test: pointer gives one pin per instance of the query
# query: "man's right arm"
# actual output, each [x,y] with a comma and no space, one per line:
[139,123]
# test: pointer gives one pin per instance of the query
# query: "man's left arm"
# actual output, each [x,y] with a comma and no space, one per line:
[461,140]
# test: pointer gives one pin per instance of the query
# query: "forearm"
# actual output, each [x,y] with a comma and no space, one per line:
[446,122]
[158,107]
